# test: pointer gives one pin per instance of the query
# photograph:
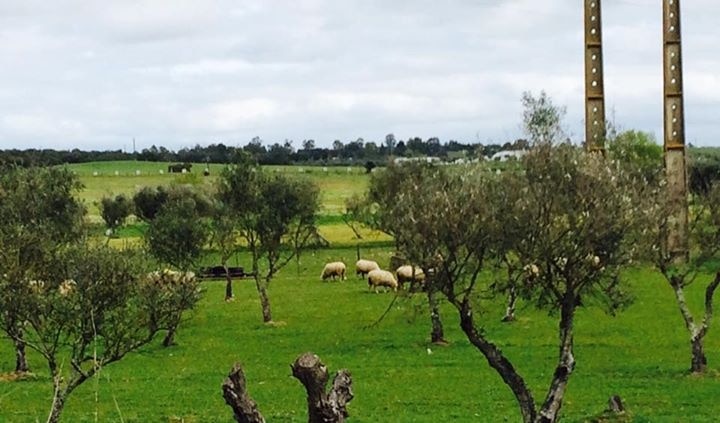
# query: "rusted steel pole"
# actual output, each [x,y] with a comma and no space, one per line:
[674,131]
[594,79]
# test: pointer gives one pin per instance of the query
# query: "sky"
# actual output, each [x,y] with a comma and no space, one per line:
[97,74]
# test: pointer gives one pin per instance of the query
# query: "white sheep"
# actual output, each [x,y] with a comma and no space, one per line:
[331,270]
[363,267]
[409,273]
[378,277]
[168,277]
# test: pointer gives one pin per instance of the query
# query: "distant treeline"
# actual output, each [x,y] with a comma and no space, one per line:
[703,166]
[340,153]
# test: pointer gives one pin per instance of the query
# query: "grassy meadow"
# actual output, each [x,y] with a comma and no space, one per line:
[641,354]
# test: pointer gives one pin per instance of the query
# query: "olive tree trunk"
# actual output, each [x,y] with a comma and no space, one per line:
[236,396]
[698,361]
[499,362]
[21,364]
[228,284]
[169,339]
[264,299]
[62,389]
[437,335]
[550,410]
[323,407]
[57,407]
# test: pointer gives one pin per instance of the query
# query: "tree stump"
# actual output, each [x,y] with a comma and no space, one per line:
[236,396]
[323,407]
[615,405]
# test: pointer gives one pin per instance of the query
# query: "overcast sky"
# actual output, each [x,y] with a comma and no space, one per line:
[94,74]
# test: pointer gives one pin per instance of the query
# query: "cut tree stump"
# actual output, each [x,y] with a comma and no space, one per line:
[236,396]
[615,405]
[323,407]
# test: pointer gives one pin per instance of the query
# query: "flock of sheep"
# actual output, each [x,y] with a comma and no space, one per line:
[376,276]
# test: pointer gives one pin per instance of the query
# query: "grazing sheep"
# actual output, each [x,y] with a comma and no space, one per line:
[363,267]
[405,273]
[167,277]
[378,277]
[331,270]
[413,274]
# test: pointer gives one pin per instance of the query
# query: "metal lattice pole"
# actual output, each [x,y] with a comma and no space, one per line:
[674,130]
[594,80]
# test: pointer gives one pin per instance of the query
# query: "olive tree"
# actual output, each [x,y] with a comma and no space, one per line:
[639,152]
[115,210]
[383,211]
[175,237]
[680,273]
[569,219]
[39,212]
[275,215]
[86,309]
[148,201]
[542,119]
[224,236]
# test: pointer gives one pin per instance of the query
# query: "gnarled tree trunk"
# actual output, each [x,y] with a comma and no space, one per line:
[323,407]
[698,362]
[437,335]
[61,393]
[553,401]
[21,364]
[228,284]
[499,362]
[236,396]
[57,407]
[264,301]
[169,339]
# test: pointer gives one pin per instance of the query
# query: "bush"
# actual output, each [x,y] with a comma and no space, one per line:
[177,235]
[148,202]
[703,169]
[115,211]
[640,151]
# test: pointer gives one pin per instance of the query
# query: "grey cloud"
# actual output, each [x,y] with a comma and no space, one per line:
[180,72]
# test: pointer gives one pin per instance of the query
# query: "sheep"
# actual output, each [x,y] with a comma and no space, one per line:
[167,277]
[409,273]
[331,270]
[380,277]
[363,267]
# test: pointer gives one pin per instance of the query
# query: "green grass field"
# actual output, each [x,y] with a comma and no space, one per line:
[642,354]
[100,179]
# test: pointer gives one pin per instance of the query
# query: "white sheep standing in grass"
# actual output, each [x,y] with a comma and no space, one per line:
[378,277]
[409,273]
[363,267]
[332,270]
